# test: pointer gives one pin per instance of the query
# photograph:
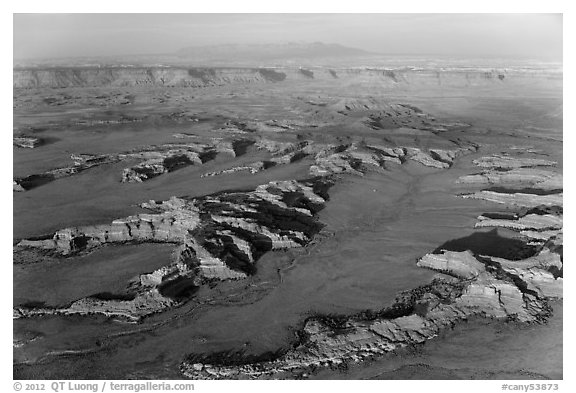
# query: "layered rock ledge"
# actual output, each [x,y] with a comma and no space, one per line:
[517,177]
[485,285]
[354,158]
[499,289]
[27,142]
[517,198]
[508,162]
[217,237]
[154,161]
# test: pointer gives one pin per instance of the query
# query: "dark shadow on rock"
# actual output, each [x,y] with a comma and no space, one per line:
[114,296]
[204,74]
[272,75]
[491,244]
[501,216]
[178,289]
[234,358]
[207,156]
[33,181]
[241,146]
[532,191]
[542,209]
[176,162]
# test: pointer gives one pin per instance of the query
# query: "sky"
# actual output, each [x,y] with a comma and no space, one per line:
[467,35]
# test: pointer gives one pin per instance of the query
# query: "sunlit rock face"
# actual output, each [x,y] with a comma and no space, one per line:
[535,222]
[484,281]
[354,158]
[80,163]
[218,237]
[490,287]
[27,142]
[154,161]
[507,162]
[460,264]
[517,198]
[517,178]
[150,77]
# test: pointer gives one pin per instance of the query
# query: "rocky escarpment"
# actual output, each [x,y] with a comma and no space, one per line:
[154,161]
[381,115]
[81,162]
[517,198]
[218,237]
[136,76]
[535,194]
[118,76]
[516,178]
[325,159]
[519,181]
[354,158]
[403,115]
[170,157]
[28,142]
[495,289]
[508,162]
[491,276]
[238,135]
[275,126]
[532,222]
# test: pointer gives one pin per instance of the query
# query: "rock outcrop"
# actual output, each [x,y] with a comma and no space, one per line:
[81,162]
[155,161]
[481,285]
[159,162]
[218,237]
[489,287]
[28,142]
[517,177]
[508,162]
[414,318]
[536,222]
[198,77]
[517,198]
[328,159]
[459,264]
[252,168]
[540,274]
[357,158]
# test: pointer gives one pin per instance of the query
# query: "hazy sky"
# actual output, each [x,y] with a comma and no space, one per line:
[64,35]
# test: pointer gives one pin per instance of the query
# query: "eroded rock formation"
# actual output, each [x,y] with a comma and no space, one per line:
[508,162]
[486,285]
[354,158]
[536,222]
[218,237]
[517,198]
[28,142]
[478,289]
[483,286]
[517,177]
[515,173]
[155,161]
[81,162]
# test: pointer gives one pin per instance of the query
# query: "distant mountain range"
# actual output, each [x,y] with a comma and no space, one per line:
[251,55]
[268,52]
[295,54]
